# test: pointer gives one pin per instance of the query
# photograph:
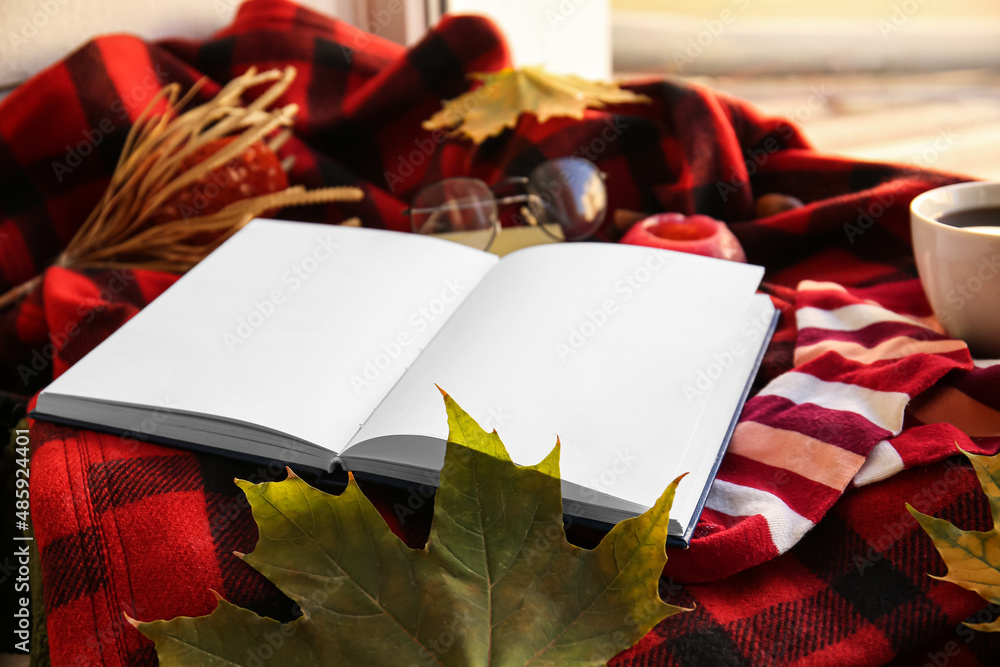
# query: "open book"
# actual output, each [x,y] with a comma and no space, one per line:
[320,346]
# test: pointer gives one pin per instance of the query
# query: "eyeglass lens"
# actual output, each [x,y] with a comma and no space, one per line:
[453,205]
[569,191]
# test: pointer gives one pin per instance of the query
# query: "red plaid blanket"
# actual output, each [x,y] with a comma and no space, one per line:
[859,383]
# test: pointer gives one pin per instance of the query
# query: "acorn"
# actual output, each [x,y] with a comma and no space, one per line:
[774,203]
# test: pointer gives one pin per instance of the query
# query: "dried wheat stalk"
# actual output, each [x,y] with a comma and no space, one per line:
[117,233]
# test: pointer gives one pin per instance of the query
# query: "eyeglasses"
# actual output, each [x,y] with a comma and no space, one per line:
[565,198]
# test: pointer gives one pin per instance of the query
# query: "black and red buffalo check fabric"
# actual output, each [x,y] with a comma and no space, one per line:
[805,553]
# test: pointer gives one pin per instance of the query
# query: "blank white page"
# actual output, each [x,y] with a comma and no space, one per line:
[593,343]
[299,328]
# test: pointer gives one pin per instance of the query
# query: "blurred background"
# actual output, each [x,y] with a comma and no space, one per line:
[913,81]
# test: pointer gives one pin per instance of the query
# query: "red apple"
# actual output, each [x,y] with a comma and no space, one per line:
[697,234]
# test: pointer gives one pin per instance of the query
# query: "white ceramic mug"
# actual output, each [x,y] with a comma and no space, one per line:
[960,267]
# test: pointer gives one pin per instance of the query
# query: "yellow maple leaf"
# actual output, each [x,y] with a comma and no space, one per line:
[503,96]
[972,556]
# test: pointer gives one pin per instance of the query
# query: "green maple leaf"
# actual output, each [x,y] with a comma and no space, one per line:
[496,584]
[972,556]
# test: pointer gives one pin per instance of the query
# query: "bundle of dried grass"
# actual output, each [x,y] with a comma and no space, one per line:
[155,165]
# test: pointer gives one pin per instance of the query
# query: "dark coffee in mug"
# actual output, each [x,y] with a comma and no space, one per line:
[973,217]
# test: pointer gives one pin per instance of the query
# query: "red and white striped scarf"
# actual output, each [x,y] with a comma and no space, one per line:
[840,417]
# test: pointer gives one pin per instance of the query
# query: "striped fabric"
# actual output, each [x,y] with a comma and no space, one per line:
[962,410]
[833,419]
